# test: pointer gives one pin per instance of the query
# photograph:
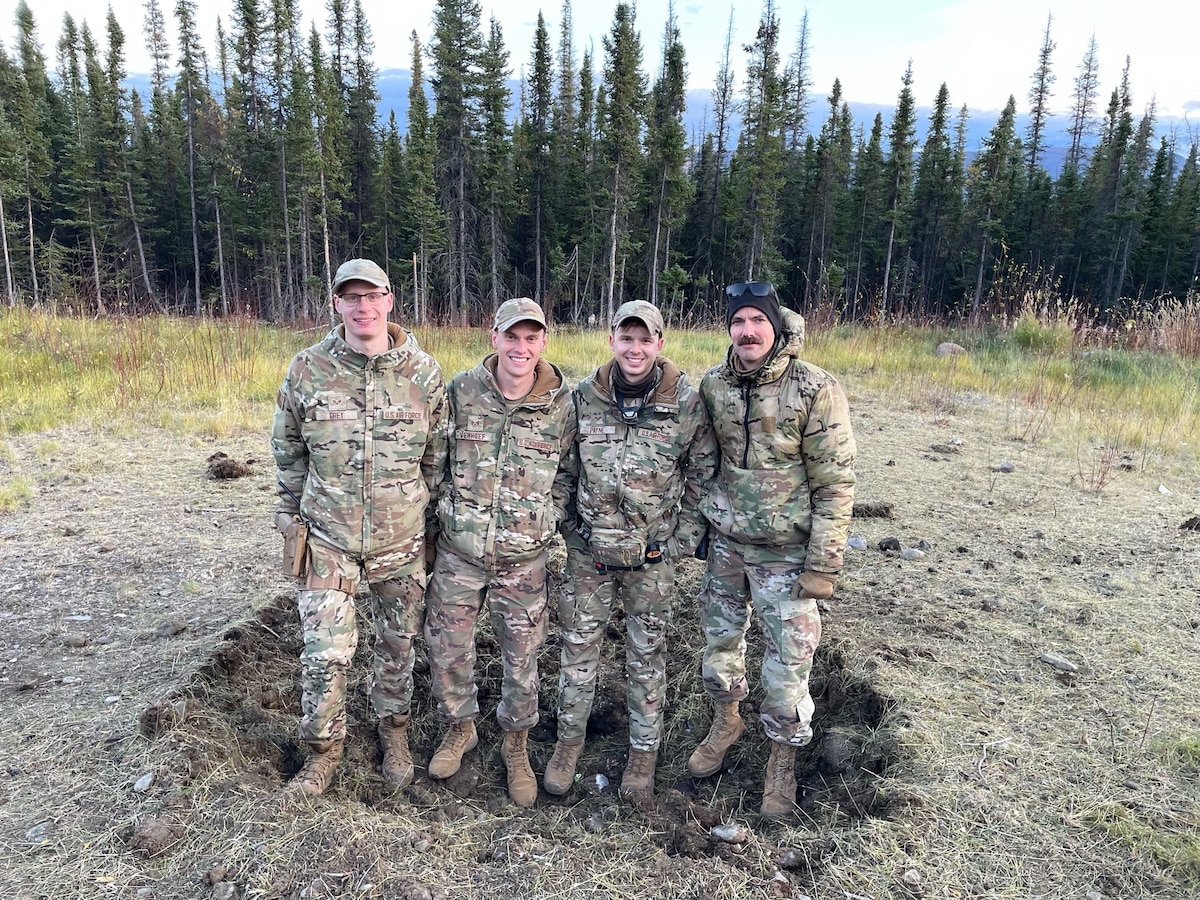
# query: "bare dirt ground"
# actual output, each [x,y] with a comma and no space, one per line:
[1011,711]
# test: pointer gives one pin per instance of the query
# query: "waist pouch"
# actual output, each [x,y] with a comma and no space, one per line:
[617,548]
[295,550]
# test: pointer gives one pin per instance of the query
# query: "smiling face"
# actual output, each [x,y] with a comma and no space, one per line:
[518,350]
[364,309]
[752,335]
[635,348]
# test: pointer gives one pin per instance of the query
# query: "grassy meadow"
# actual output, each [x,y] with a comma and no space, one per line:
[219,377]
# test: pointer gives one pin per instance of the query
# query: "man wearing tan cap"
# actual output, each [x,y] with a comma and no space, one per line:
[644,453]
[359,440]
[505,495]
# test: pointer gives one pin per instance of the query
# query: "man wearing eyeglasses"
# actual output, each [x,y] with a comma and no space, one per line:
[779,513]
[644,454]
[360,442]
[505,495]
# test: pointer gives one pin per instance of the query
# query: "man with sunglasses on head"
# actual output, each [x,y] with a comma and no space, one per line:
[779,513]
[505,496]
[360,442]
[644,455]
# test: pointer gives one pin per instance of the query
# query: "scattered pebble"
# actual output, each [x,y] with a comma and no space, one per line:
[110,700]
[912,553]
[1163,489]
[993,604]
[600,782]
[143,784]
[1059,662]
[923,544]
[226,890]
[731,833]
[76,640]
[1006,467]
[41,833]
[170,629]
[108,546]
[890,545]
[857,542]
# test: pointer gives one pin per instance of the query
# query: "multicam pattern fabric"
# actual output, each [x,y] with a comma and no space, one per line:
[360,445]
[786,477]
[360,442]
[517,605]
[741,575]
[505,492]
[646,478]
[583,612]
[327,619]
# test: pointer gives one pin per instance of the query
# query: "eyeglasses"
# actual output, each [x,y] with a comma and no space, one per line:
[757,288]
[355,299]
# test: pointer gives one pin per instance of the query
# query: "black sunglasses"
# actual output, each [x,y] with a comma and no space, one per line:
[757,288]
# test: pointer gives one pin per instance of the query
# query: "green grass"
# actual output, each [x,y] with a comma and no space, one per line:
[219,377]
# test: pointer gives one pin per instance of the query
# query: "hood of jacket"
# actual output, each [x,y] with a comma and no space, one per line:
[787,347]
[670,382]
[548,380]
[402,344]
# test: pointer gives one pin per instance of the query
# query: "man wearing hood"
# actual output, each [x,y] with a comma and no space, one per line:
[505,495]
[359,440]
[644,455]
[779,513]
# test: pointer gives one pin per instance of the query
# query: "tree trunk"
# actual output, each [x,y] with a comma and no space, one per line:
[612,239]
[32,254]
[221,252]
[8,276]
[141,250]
[191,138]
[100,309]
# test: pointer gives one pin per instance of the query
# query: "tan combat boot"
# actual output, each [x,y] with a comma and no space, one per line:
[522,786]
[779,784]
[461,738]
[397,761]
[316,773]
[560,771]
[638,778]
[727,727]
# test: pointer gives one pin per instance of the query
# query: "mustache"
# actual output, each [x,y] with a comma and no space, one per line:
[745,341]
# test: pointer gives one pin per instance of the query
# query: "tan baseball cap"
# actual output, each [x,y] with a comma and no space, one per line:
[643,311]
[359,270]
[519,309]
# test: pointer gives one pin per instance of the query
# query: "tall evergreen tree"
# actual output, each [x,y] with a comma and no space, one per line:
[619,124]
[899,170]
[457,46]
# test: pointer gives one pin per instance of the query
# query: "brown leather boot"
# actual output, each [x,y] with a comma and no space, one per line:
[316,773]
[638,778]
[560,771]
[459,740]
[397,761]
[522,785]
[779,784]
[727,727]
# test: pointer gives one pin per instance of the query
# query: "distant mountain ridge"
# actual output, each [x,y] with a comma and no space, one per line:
[393,85]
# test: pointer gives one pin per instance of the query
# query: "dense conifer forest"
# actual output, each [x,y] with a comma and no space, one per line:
[251,169]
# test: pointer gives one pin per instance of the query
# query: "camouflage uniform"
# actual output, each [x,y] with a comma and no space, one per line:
[645,481]
[781,504]
[503,499]
[360,444]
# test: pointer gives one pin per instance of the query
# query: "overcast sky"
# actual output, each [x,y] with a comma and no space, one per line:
[983,50]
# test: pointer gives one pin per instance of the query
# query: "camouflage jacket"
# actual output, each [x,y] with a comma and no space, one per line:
[506,491]
[646,478]
[360,443]
[786,476]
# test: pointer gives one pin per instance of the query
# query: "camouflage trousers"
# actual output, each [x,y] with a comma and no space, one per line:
[741,575]
[327,618]
[583,611]
[516,599]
